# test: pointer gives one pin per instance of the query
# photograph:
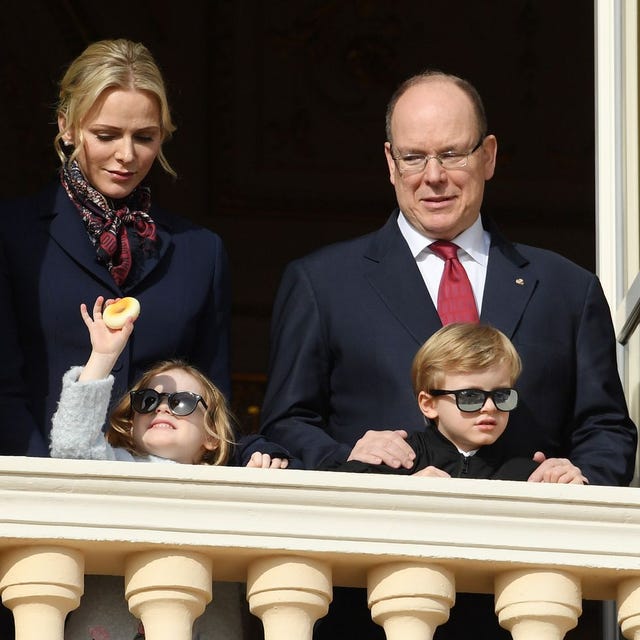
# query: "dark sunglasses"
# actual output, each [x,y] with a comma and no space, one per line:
[180,403]
[471,400]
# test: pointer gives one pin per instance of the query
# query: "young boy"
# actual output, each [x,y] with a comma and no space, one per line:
[463,378]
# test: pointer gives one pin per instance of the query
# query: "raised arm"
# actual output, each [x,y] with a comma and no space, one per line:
[76,429]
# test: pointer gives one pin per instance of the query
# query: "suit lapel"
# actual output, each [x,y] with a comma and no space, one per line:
[508,288]
[394,275]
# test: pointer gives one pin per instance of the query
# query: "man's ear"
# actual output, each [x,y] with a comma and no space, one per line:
[390,163]
[427,404]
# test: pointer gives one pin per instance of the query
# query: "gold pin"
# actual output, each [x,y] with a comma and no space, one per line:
[520,282]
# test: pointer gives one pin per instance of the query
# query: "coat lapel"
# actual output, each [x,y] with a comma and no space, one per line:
[68,231]
[509,285]
[394,275]
[164,242]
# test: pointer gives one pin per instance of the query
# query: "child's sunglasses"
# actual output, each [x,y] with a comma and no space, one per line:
[180,403]
[471,400]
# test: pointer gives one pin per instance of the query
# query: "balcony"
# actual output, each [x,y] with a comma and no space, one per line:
[292,535]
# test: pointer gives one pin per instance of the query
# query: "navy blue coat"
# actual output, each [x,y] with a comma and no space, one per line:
[48,267]
[349,318]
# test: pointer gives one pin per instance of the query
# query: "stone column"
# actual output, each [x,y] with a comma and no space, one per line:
[629,608]
[288,594]
[41,584]
[410,600]
[168,590]
[538,604]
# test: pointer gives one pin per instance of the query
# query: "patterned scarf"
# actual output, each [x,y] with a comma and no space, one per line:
[106,221]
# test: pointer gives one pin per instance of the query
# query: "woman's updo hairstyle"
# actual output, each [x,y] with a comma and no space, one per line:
[108,64]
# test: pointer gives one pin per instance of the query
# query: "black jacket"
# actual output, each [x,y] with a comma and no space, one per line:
[432,448]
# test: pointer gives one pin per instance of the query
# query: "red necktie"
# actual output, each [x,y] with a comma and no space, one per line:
[455,296]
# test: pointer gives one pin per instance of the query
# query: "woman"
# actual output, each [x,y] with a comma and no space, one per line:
[95,232]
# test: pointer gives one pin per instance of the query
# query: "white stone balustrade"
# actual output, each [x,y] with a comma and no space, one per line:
[409,600]
[288,594]
[292,535]
[167,590]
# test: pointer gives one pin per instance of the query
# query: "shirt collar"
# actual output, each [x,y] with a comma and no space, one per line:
[475,240]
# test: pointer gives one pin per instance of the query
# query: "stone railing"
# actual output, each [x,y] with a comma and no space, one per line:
[291,535]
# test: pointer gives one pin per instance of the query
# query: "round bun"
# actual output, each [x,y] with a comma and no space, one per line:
[116,314]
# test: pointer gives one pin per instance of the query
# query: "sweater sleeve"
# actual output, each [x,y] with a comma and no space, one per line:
[76,430]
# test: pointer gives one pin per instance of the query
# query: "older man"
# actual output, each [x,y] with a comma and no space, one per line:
[349,318]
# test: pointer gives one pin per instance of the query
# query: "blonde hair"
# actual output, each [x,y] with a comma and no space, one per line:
[217,419]
[462,348]
[103,65]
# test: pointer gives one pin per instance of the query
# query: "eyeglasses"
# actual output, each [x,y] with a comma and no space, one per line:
[411,163]
[471,400]
[181,403]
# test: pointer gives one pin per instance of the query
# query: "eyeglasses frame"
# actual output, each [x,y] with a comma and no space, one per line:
[486,394]
[168,396]
[439,157]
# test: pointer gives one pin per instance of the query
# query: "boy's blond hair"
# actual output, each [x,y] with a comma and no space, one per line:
[462,348]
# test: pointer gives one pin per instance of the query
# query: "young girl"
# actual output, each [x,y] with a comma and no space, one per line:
[173,414]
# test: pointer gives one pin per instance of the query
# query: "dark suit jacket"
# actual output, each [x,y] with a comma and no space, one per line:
[349,318]
[48,267]
[434,449]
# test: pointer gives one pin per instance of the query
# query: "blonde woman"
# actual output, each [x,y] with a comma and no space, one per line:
[96,230]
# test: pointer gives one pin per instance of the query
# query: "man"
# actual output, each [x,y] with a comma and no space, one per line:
[349,318]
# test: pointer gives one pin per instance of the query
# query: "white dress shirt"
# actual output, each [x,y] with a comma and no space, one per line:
[474,245]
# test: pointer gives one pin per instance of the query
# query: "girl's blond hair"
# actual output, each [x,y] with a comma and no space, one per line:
[217,419]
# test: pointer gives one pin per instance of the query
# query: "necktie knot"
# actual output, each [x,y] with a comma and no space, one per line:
[446,250]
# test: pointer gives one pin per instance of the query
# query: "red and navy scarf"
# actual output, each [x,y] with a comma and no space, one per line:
[106,221]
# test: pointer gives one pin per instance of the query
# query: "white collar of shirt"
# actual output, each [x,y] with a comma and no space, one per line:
[474,242]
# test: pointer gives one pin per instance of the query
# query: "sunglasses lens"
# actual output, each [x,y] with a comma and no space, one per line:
[183,403]
[505,399]
[144,400]
[470,400]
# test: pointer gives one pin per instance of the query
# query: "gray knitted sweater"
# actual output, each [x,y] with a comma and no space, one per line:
[76,429]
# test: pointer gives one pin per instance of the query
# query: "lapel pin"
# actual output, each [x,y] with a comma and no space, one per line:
[520,282]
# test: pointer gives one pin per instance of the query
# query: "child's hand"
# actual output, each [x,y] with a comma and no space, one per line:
[103,339]
[556,470]
[431,472]
[265,461]
[107,344]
